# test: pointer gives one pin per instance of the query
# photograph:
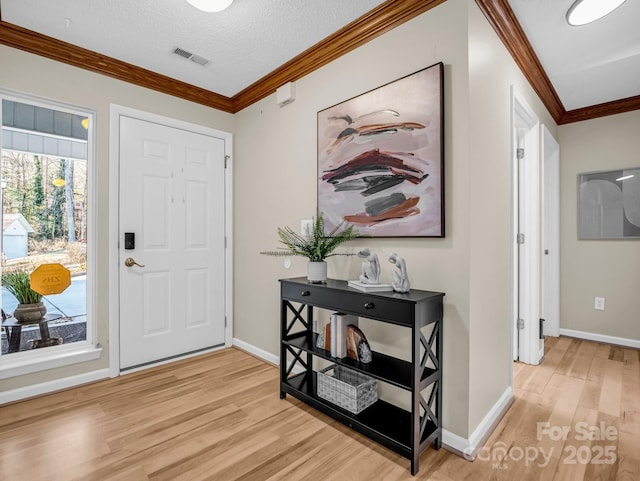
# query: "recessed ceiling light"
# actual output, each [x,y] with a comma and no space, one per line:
[210,5]
[587,11]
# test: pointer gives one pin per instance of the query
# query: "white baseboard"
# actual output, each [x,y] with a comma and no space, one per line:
[468,448]
[591,336]
[256,351]
[52,386]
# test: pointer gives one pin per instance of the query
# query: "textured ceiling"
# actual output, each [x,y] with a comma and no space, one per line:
[586,65]
[243,43]
[590,64]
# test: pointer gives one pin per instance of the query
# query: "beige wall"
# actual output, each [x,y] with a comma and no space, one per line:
[275,185]
[492,74]
[30,74]
[604,268]
[275,172]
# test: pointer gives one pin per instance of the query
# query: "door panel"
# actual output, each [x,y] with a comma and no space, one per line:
[197,287]
[197,213]
[156,289]
[172,196]
[527,198]
[156,217]
[551,236]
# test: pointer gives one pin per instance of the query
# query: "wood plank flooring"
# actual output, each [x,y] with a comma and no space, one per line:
[219,417]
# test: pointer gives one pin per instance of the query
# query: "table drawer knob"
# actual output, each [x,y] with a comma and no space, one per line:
[305,293]
[369,305]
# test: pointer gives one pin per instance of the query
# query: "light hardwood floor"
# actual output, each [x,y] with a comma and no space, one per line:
[219,417]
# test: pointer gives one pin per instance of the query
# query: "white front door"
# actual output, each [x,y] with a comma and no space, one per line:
[172,199]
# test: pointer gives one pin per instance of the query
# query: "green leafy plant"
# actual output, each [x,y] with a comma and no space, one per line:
[318,246]
[17,283]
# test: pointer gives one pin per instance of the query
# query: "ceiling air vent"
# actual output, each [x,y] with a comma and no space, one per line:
[190,56]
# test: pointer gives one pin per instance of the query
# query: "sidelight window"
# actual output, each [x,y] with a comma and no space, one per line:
[46,242]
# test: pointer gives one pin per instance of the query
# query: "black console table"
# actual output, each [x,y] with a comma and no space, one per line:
[406,432]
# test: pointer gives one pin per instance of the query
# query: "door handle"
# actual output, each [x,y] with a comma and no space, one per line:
[130,262]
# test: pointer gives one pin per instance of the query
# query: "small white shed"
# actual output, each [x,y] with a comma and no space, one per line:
[15,235]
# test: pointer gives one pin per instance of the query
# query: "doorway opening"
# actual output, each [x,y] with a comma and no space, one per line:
[528,344]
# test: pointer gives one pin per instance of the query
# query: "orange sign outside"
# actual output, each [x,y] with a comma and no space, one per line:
[49,279]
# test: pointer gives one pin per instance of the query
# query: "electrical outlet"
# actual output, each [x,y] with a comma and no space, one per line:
[599,304]
[306,228]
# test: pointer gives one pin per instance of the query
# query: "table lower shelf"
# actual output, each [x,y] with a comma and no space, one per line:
[383,422]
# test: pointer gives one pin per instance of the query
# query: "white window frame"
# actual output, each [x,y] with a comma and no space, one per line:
[25,362]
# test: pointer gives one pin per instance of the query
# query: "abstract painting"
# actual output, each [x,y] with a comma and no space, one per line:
[380,159]
[609,204]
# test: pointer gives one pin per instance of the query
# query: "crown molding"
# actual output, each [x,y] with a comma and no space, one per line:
[371,25]
[504,22]
[385,17]
[36,43]
[601,110]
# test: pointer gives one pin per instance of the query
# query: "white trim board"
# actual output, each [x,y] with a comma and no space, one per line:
[51,358]
[256,351]
[31,361]
[592,336]
[526,256]
[468,448]
[115,112]
[48,387]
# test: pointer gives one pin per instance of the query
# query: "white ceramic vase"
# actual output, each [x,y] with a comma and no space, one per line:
[317,272]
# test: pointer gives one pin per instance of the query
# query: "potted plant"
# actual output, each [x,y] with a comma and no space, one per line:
[30,307]
[316,247]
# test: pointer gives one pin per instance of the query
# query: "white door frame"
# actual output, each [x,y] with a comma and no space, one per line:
[550,305]
[116,111]
[525,128]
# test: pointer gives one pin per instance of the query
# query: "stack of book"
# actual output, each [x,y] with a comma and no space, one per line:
[334,339]
[361,286]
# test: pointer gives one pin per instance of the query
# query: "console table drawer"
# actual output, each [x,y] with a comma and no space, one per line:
[359,304]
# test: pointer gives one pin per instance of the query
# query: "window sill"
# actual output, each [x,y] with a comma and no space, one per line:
[50,358]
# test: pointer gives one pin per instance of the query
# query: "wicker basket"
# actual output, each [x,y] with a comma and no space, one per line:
[346,388]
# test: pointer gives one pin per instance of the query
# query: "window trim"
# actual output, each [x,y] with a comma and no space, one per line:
[26,362]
